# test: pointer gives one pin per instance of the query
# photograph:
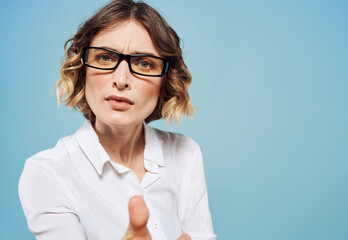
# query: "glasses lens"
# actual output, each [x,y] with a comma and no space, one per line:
[147,65]
[100,58]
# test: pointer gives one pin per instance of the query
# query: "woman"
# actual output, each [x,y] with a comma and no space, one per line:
[123,69]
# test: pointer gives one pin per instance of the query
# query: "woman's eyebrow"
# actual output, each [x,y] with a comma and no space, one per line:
[110,48]
[132,52]
[147,53]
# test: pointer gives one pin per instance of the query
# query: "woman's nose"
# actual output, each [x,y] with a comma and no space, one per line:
[122,74]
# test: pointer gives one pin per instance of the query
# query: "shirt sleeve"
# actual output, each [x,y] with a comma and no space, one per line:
[197,220]
[49,213]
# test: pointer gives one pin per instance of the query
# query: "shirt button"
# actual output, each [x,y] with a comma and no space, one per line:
[150,164]
[141,195]
[155,226]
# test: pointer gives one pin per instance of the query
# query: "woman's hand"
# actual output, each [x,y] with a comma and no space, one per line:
[138,216]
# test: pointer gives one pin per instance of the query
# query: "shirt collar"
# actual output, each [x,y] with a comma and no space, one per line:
[153,147]
[94,151]
[90,145]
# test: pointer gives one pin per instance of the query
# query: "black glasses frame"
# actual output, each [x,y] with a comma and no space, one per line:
[127,58]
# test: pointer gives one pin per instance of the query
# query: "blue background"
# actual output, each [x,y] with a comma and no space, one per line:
[270,81]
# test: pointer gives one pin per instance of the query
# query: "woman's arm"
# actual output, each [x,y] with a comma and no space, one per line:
[49,213]
[197,220]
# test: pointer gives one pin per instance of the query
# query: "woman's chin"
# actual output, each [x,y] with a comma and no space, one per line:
[119,122]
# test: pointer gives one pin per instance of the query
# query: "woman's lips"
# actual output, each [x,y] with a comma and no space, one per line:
[119,103]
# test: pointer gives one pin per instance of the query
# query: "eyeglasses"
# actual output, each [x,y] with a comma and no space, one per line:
[106,59]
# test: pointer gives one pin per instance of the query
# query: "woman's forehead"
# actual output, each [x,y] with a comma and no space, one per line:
[128,36]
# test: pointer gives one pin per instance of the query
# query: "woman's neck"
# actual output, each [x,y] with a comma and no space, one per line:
[125,145]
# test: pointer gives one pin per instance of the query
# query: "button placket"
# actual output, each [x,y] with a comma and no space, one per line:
[154,225]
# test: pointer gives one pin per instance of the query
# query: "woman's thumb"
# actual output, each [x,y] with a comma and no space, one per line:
[138,216]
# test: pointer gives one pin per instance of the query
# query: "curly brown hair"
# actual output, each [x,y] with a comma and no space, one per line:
[174,100]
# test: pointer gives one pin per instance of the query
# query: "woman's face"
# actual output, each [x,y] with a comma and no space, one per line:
[120,98]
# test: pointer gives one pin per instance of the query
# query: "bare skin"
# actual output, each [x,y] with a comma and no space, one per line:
[138,216]
[120,131]
[130,148]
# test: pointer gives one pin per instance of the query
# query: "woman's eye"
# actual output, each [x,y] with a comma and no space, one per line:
[104,58]
[144,64]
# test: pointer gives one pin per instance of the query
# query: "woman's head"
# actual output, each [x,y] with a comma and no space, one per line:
[173,99]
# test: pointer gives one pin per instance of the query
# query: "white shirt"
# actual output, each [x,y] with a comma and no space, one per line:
[75,191]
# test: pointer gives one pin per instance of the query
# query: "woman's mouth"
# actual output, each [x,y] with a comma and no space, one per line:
[119,103]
